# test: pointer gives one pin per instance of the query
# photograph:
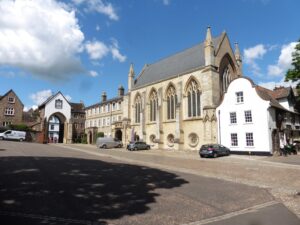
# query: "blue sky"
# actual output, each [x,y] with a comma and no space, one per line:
[85,47]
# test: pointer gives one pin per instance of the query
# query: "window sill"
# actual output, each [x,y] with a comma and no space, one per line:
[248,123]
[169,121]
[193,118]
[151,123]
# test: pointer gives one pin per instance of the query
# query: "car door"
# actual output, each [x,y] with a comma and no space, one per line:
[8,134]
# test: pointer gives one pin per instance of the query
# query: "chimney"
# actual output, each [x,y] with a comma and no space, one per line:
[103,96]
[121,91]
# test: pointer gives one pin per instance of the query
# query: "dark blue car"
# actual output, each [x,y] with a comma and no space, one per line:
[213,150]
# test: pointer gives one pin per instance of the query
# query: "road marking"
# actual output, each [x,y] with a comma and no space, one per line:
[233,214]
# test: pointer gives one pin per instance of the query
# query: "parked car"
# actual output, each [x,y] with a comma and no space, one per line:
[296,143]
[138,145]
[108,142]
[213,150]
[13,135]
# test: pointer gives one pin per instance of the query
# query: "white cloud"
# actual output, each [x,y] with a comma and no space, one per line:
[166,2]
[272,84]
[40,96]
[284,61]
[115,51]
[93,73]
[98,6]
[40,37]
[98,28]
[252,54]
[96,49]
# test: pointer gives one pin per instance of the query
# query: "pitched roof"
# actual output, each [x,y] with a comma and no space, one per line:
[77,107]
[281,92]
[174,65]
[50,98]
[105,102]
[268,95]
[11,90]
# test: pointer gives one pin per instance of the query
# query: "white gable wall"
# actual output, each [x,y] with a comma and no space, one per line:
[260,118]
[50,107]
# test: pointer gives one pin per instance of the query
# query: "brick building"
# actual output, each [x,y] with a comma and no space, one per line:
[11,109]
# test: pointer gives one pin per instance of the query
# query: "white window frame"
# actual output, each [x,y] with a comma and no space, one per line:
[248,116]
[249,139]
[234,139]
[11,100]
[239,97]
[9,111]
[232,118]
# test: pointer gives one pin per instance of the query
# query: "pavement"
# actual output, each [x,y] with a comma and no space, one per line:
[80,184]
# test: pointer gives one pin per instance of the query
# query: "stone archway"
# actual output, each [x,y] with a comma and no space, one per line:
[56,128]
[90,137]
[118,135]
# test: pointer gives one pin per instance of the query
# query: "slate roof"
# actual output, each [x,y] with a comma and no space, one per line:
[105,102]
[174,65]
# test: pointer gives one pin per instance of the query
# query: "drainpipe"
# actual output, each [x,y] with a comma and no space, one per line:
[219,126]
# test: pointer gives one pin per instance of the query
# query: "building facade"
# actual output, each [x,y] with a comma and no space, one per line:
[106,117]
[252,120]
[78,121]
[172,103]
[11,109]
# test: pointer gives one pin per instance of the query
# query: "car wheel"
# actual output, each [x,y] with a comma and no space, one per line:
[119,146]
[215,155]
[148,147]
[104,146]
[21,139]
[135,149]
[1,138]
[228,153]
[201,156]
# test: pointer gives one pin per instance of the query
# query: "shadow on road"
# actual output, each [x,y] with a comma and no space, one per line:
[48,190]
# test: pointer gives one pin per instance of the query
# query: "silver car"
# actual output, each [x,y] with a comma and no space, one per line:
[108,142]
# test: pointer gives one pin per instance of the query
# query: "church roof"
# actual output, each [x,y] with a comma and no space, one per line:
[174,65]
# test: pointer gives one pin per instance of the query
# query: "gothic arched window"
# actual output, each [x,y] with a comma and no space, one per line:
[225,79]
[153,105]
[194,100]
[171,103]
[138,109]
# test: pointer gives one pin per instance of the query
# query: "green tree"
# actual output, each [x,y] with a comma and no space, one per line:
[293,74]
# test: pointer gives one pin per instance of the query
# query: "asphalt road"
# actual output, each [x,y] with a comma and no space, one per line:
[48,184]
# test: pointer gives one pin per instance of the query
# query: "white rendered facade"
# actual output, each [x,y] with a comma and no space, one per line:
[260,125]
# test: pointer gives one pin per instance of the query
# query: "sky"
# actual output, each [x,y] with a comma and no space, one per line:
[85,47]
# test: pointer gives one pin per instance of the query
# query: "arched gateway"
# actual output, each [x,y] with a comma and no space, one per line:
[56,113]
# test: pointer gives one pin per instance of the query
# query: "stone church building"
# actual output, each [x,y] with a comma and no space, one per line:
[172,103]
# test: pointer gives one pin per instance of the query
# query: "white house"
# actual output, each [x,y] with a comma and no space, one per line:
[251,120]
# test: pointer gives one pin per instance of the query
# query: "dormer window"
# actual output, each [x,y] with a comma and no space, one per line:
[58,104]
[11,100]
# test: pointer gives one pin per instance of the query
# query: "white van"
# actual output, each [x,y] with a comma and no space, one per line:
[13,135]
[108,142]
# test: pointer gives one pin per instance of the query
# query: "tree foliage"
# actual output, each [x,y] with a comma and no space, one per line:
[293,74]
